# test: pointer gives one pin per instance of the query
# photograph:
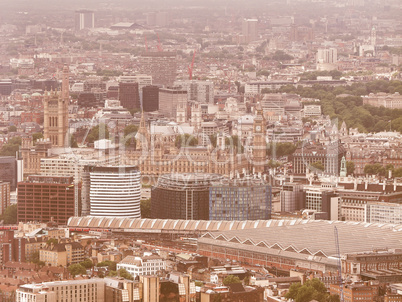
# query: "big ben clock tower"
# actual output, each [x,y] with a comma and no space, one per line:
[259,142]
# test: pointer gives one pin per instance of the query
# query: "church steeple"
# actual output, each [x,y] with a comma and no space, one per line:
[142,136]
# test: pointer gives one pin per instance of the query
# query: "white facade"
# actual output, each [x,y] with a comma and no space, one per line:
[142,266]
[115,192]
[141,79]
[329,55]
[312,110]
[200,91]
[84,290]
[66,164]
[384,212]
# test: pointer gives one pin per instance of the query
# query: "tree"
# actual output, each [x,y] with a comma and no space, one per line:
[77,269]
[98,132]
[231,279]
[318,165]
[87,263]
[124,274]
[12,146]
[36,136]
[110,264]
[52,241]
[186,140]
[34,257]
[130,129]
[145,206]
[10,215]
[311,290]
[350,167]
[129,135]
[375,169]
[12,128]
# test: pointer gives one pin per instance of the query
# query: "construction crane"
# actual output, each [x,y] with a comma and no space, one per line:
[159,43]
[338,255]
[190,68]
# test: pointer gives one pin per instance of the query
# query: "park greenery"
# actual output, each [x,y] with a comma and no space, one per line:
[98,132]
[10,215]
[345,103]
[280,149]
[311,290]
[129,135]
[185,140]
[87,263]
[380,170]
[11,147]
[111,265]
[231,279]
[77,269]
[121,273]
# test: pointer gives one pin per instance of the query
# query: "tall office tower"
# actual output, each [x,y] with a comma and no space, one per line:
[160,65]
[182,196]
[115,191]
[4,196]
[8,171]
[129,95]
[249,29]
[56,113]
[43,198]
[238,200]
[169,98]
[259,142]
[329,55]
[292,197]
[150,98]
[199,91]
[84,19]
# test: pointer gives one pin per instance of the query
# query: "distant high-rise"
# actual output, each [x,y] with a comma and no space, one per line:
[235,200]
[84,19]
[182,196]
[43,198]
[55,107]
[160,65]
[249,29]
[8,171]
[129,96]
[199,91]
[329,55]
[115,191]
[169,98]
[150,98]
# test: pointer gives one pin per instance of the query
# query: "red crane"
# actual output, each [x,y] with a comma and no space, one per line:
[159,43]
[190,68]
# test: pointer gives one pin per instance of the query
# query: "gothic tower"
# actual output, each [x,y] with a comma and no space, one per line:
[259,141]
[56,112]
[142,137]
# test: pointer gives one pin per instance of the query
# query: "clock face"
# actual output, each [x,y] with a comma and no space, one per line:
[258,128]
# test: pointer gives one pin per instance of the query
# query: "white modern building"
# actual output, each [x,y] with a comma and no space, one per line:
[142,266]
[200,91]
[70,290]
[312,110]
[115,191]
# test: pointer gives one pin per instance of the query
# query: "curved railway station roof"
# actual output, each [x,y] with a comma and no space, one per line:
[315,238]
[154,225]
